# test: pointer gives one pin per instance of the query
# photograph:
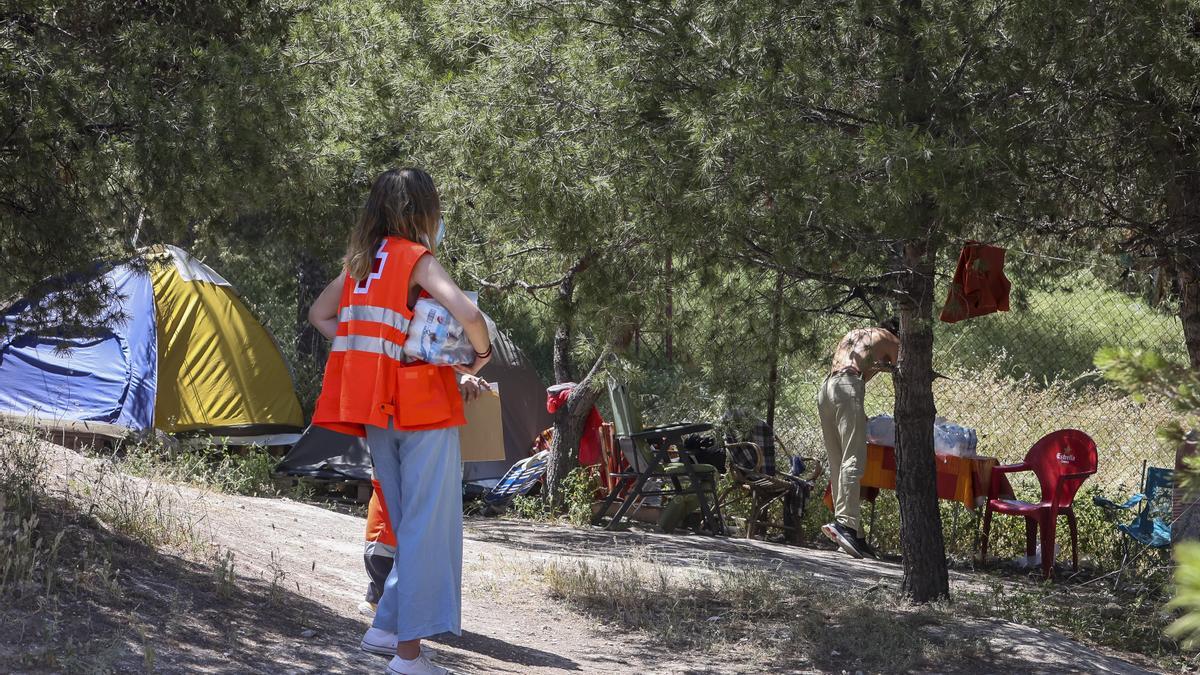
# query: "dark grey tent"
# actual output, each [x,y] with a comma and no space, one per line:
[321,453]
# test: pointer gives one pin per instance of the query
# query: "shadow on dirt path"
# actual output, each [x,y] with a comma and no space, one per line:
[300,576]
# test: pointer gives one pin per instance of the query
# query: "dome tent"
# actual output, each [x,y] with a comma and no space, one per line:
[184,355]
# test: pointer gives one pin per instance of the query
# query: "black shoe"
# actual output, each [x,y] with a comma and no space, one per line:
[844,537]
[866,549]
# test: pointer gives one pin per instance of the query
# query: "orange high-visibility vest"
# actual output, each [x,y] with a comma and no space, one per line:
[379,529]
[368,379]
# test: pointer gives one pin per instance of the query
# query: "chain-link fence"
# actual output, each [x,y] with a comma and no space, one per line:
[1015,376]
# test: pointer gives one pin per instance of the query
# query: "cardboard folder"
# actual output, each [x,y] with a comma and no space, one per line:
[482,438]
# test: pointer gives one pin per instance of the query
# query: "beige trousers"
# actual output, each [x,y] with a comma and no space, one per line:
[844,428]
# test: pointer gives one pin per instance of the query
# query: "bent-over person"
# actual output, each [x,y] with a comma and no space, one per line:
[862,353]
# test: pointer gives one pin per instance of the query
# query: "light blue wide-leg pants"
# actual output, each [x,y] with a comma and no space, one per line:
[421,476]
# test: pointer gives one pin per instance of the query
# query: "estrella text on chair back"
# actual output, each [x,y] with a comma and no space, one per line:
[1062,453]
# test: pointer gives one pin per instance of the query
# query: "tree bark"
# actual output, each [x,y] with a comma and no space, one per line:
[564,305]
[776,329]
[1189,310]
[1183,245]
[311,346]
[668,334]
[568,430]
[925,575]
[569,420]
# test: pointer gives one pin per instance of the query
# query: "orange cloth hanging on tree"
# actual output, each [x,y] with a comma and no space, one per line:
[979,285]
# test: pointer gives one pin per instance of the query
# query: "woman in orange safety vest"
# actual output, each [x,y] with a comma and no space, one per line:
[407,409]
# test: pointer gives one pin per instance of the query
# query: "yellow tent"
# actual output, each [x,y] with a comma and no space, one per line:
[219,369]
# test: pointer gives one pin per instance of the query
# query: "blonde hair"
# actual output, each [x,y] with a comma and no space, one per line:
[402,203]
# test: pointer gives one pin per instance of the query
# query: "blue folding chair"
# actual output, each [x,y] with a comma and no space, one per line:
[1151,528]
[519,480]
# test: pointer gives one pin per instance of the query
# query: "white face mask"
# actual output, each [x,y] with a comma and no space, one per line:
[441,233]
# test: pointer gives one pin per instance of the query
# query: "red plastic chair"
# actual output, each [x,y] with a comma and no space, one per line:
[1061,460]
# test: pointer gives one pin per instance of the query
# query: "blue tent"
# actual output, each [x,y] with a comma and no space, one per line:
[107,376]
[183,354]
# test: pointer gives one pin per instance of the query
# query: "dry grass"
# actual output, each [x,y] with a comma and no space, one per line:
[212,467]
[57,550]
[140,511]
[786,621]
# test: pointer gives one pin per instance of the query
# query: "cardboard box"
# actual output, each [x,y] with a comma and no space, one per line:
[482,439]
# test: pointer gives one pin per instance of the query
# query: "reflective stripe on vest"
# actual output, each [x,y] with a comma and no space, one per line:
[364,343]
[375,314]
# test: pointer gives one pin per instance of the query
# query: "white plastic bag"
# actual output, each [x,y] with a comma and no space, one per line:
[1035,560]
[435,336]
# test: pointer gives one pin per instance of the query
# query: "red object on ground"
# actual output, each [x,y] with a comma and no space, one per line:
[589,443]
[1061,460]
[979,285]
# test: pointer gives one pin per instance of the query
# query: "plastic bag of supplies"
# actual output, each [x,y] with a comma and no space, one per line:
[435,336]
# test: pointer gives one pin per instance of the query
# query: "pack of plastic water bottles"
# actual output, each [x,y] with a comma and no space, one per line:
[952,439]
[435,336]
[948,438]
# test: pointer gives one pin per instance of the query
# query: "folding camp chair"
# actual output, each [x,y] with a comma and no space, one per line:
[752,475]
[519,480]
[1151,528]
[652,471]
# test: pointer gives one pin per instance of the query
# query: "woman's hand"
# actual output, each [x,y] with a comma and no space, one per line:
[472,386]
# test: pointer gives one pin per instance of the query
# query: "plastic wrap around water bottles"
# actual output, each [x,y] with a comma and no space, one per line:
[881,430]
[435,336]
[948,438]
[952,439]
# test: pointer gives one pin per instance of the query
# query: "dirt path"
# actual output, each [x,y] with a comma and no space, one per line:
[301,578]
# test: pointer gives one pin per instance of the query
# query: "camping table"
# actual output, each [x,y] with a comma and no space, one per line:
[959,479]
[660,440]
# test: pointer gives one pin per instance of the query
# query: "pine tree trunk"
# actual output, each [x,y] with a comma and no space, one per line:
[1189,311]
[569,420]
[668,332]
[562,351]
[568,430]
[1183,222]
[925,574]
[311,346]
[564,306]
[564,447]
[776,330]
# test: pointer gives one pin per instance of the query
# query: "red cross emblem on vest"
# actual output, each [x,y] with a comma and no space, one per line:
[376,271]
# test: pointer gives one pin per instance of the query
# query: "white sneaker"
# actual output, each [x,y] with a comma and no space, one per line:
[418,666]
[383,643]
[366,608]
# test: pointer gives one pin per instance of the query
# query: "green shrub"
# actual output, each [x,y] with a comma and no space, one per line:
[579,491]
[528,508]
